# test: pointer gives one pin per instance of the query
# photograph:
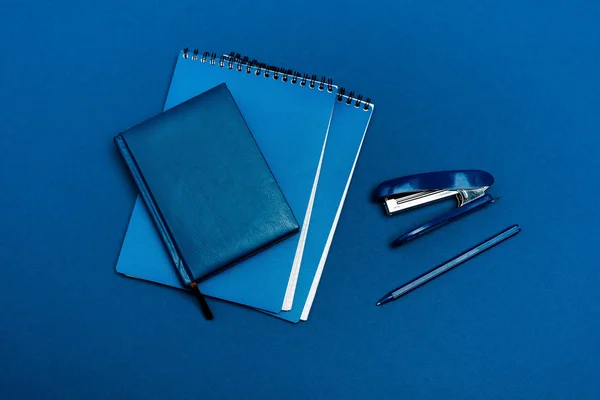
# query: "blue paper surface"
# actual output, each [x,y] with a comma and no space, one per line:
[290,123]
[510,87]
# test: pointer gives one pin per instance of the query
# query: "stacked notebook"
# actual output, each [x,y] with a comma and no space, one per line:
[242,181]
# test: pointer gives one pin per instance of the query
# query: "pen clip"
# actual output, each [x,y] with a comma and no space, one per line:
[443,219]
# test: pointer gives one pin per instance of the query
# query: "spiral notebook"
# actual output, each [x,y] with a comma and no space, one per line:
[349,123]
[348,127]
[289,115]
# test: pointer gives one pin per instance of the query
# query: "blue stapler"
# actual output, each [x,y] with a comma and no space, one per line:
[412,191]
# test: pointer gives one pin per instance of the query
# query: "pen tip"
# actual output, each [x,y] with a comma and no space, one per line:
[378,303]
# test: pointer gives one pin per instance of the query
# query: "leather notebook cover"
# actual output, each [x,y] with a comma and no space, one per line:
[209,190]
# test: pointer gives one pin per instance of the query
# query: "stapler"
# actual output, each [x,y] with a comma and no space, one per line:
[401,194]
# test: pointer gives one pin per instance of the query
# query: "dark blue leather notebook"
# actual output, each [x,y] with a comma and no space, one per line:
[207,185]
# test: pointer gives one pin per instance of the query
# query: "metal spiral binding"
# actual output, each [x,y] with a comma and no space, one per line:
[241,64]
[358,100]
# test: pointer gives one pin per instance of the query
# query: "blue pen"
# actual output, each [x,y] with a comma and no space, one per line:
[443,219]
[434,273]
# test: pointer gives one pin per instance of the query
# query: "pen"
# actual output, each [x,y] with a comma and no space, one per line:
[434,273]
[444,219]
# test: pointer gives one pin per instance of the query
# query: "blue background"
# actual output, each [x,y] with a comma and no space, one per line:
[507,86]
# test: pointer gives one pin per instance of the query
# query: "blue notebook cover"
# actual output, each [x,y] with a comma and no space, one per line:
[192,165]
[289,118]
[349,123]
